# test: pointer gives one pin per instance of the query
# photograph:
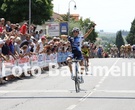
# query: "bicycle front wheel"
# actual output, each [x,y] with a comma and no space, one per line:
[77,83]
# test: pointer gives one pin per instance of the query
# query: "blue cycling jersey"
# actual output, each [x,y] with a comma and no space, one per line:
[76,42]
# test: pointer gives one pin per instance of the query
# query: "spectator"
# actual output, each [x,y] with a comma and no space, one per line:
[34,43]
[4,58]
[23,30]
[3,21]
[17,27]
[1,45]
[99,52]
[8,26]
[41,33]
[11,45]
[1,27]
[24,51]
[41,44]
[6,48]
[36,35]
[26,41]
[31,46]
[17,46]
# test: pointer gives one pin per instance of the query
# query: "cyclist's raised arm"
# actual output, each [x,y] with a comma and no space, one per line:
[89,31]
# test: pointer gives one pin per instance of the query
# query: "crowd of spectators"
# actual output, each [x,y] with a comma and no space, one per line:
[16,41]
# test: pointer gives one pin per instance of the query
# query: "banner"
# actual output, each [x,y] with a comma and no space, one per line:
[7,66]
[53,29]
[23,61]
[64,28]
[34,60]
[48,59]
[53,58]
[41,60]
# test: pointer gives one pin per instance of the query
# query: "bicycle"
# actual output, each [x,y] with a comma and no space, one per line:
[76,77]
[86,66]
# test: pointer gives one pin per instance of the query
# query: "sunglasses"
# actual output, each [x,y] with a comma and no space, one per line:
[75,31]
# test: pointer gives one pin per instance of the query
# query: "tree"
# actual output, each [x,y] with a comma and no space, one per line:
[18,10]
[73,24]
[119,39]
[84,26]
[131,36]
[1,11]
[87,25]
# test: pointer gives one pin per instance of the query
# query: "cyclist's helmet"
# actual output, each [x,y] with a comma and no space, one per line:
[86,44]
[76,29]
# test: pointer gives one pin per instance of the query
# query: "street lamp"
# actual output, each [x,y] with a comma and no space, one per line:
[69,12]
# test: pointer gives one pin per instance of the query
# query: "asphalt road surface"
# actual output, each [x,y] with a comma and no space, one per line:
[110,85]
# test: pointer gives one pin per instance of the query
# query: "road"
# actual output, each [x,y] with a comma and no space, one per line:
[99,92]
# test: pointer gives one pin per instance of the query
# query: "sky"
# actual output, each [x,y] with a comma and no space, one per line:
[109,15]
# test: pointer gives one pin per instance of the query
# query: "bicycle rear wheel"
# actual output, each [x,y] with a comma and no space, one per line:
[77,83]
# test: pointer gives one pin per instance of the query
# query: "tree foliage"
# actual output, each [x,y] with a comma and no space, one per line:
[119,39]
[87,24]
[131,36]
[84,26]
[18,10]
[1,11]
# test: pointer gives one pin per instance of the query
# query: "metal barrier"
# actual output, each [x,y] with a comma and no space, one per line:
[41,60]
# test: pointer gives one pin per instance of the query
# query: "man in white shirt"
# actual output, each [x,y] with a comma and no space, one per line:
[17,46]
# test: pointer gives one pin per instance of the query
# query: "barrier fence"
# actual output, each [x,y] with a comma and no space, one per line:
[41,60]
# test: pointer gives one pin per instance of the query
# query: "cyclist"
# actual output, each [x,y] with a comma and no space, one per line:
[86,52]
[76,44]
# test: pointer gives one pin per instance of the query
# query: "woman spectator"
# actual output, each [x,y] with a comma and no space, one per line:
[41,44]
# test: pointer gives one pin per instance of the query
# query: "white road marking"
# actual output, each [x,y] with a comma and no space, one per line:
[97,86]
[84,96]
[67,91]
[117,91]
[87,96]
[105,76]
[95,89]
[102,79]
[34,91]
[71,107]
[112,67]
[100,82]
